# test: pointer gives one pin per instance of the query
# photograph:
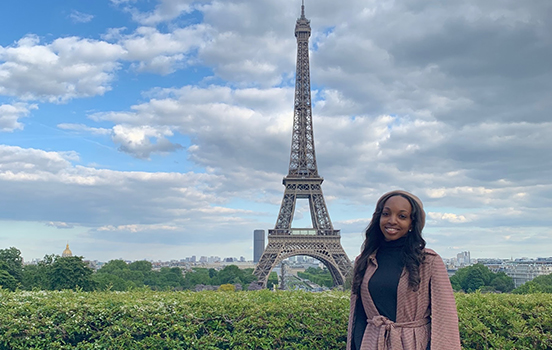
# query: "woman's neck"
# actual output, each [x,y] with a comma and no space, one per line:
[397,243]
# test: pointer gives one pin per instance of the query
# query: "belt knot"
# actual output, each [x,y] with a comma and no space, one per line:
[389,335]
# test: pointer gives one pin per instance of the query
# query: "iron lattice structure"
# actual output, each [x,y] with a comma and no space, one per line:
[321,241]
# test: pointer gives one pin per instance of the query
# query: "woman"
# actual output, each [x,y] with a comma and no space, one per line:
[401,295]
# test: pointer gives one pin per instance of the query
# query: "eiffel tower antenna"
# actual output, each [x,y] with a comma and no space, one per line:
[321,241]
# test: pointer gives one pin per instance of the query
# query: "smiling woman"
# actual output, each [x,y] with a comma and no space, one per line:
[401,295]
[395,219]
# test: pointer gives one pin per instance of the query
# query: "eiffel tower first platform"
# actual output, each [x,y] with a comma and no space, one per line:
[322,241]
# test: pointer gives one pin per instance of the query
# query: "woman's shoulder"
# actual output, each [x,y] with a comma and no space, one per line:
[430,255]
[430,252]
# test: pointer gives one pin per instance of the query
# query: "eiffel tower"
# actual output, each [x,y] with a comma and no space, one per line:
[322,241]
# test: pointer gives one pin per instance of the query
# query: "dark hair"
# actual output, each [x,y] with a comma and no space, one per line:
[413,254]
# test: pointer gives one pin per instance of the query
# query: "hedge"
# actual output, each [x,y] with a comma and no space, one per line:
[145,319]
[172,320]
[505,321]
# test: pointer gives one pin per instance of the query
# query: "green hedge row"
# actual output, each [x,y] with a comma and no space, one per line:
[145,319]
[505,321]
[172,320]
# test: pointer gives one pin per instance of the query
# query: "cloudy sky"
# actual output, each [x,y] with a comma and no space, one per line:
[161,129]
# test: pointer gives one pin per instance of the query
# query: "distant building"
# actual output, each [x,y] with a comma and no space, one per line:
[525,271]
[67,251]
[258,244]
[213,259]
[94,264]
[463,259]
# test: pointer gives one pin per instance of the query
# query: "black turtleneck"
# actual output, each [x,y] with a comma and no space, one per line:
[384,282]
[382,287]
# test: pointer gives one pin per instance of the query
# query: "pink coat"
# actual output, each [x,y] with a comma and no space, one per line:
[428,315]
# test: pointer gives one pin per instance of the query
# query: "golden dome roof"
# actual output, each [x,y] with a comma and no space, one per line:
[67,251]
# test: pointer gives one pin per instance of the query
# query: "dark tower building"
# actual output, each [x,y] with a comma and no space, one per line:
[258,244]
[321,241]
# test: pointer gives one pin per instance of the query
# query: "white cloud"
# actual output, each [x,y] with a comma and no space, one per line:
[10,114]
[458,62]
[115,206]
[246,130]
[450,217]
[166,10]
[60,225]
[16,160]
[58,72]
[50,181]
[160,52]
[84,128]
[137,141]
[79,17]
[119,2]
[225,132]
[138,228]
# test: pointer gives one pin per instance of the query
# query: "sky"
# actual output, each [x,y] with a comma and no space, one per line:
[161,129]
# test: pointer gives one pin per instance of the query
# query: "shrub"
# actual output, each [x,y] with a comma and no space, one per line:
[227,288]
[144,319]
[505,321]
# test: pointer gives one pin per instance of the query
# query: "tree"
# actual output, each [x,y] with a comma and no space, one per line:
[70,273]
[322,277]
[120,276]
[169,278]
[7,281]
[107,281]
[478,276]
[272,280]
[113,265]
[248,276]
[474,280]
[140,265]
[229,274]
[39,276]
[540,284]
[12,262]
[35,277]
[502,283]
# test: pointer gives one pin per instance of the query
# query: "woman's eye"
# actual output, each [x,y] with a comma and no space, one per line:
[384,214]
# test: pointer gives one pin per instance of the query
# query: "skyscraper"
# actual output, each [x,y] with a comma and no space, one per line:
[258,244]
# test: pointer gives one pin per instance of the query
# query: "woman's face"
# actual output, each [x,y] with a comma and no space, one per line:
[395,220]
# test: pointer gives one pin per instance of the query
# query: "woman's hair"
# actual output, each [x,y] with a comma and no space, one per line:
[412,254]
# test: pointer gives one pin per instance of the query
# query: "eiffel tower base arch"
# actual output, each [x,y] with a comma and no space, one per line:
[326,249]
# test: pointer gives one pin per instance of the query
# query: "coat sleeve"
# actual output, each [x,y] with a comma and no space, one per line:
[444,317]
[350,325]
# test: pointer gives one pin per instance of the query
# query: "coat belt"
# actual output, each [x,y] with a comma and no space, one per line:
[389,335]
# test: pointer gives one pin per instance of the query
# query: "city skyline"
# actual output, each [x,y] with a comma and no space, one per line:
[143,130]
[241,258]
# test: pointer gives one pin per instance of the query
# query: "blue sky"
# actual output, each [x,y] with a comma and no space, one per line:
[161,129]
